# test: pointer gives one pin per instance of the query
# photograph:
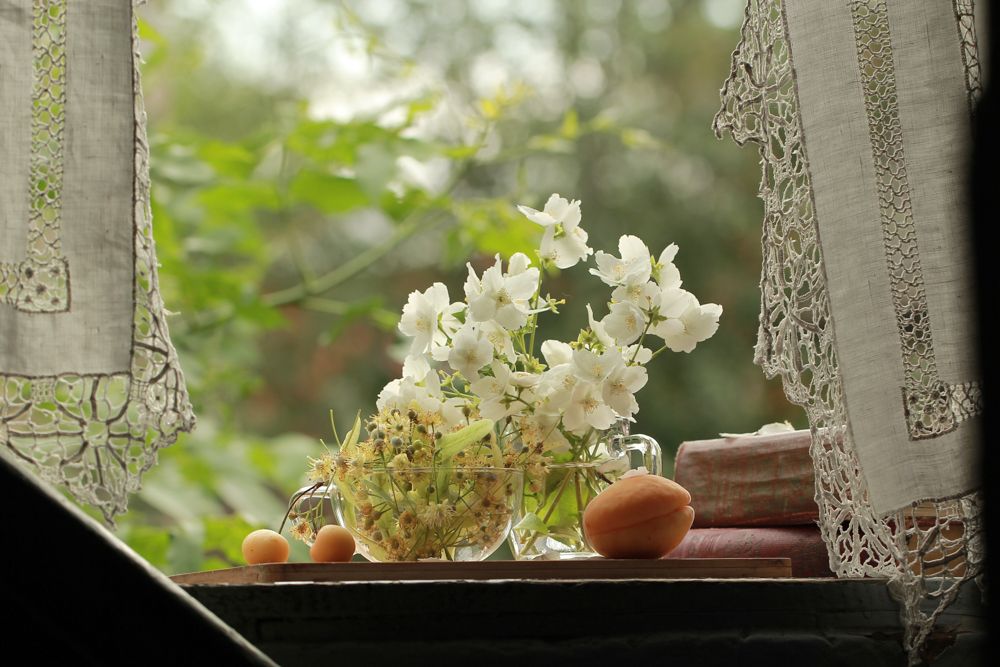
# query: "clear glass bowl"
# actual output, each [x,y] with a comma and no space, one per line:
[407,514]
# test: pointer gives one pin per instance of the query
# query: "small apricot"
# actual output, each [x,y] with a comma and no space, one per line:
[265,546]
[639,516]
[333,544]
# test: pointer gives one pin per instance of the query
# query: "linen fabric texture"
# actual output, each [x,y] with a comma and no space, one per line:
[861,112]
[90,385]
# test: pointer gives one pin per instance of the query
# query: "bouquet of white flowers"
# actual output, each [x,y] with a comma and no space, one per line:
[437,471]
[478,355]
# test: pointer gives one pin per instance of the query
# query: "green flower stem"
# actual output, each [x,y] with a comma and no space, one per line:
[533,321]
[298,496]
[579,500]
[552,507]
[657,353]
[642,338]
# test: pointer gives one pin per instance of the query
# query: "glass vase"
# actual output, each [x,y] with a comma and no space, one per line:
[551,517]
[407,514]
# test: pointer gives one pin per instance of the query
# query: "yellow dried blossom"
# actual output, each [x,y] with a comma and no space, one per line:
[323,468]
[303,531]
[436,515]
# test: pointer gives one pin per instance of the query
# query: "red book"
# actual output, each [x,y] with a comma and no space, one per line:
[803,544]
[761,480]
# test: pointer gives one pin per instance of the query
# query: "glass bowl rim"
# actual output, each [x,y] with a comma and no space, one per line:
[427,469]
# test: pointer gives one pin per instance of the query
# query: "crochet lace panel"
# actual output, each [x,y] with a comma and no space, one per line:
[926,551]
[40,282]
[93,434]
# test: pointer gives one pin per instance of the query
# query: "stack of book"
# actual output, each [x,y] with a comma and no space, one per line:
[753,497]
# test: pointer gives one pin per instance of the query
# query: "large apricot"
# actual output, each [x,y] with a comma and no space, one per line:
[639,516]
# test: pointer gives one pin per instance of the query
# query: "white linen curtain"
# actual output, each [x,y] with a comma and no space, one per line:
[90,386]
[861,111]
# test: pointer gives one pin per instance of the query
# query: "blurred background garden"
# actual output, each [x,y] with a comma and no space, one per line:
[315,161]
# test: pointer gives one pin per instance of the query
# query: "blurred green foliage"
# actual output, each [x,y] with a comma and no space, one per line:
[313,164]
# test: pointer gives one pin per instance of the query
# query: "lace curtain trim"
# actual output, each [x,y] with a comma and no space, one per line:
[40,282]
[926,551]
[93,434]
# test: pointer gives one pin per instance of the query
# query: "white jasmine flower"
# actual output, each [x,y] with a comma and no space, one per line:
[525,384]
[518,263]
[432,399]
[564,242]
[688,322]
[556,352]
[625,322]
[587,409]
[555,389]
[500,338]
[390,394]
[500,297]
[620,387]
[428,318]
[470,351]
[542,429]
[524,379]
[416,367]
[644,295]
[633,268]
[637,355]
[426,396]
[592,367]
[421,316]
[664,272]
[558,211]
[674,301]
[598,329]
[496,393]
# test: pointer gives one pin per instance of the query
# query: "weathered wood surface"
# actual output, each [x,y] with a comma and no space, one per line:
[596,568]
[804,545]
[683,622]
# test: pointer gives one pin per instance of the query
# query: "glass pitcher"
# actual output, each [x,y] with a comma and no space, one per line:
[551,519]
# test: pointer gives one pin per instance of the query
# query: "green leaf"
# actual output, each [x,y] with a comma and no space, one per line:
[461,152]
[327,193]
[375,168]
[230,160]
[352,437]
[532,523]
[224,534]
[454,442]
[186,551]
[550,144]
[153,544]
[570,128]
[638,138]
[171,494]
[491,226]
[374,489]
[253,500]
[353,312]
[256,311]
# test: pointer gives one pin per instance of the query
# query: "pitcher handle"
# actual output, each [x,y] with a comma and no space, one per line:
[652,457]
[307,500]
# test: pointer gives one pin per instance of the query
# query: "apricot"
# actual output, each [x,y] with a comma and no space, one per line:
[265,546]
[639,516]
[334,544]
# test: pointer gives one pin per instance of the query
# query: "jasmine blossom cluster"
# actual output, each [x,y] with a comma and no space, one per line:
[479,353]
